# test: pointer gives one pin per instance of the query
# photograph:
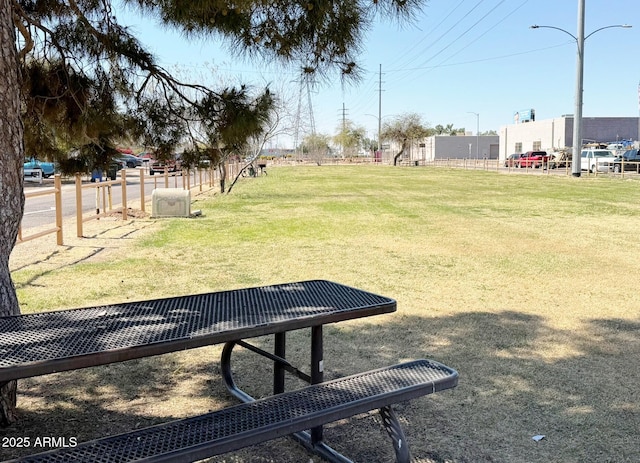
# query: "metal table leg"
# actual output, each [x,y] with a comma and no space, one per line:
[227,376]
[396,433]
[280,366]
[311,441]
[279,349]
[317,371]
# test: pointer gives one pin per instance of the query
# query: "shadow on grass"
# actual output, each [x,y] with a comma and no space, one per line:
[518,378]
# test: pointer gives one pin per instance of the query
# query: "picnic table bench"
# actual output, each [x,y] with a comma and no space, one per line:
[48,342]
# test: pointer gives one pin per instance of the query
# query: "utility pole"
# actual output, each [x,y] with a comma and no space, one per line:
[379,107]
[344,127]
[344,118]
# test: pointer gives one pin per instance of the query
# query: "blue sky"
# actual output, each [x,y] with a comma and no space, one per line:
[459,57]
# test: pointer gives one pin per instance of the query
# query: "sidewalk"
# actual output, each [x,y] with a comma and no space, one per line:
[103,239]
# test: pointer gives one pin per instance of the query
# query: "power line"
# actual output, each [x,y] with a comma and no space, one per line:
[481,60]
[486,32]
[426,36]
[441,36]
[364,95]
[410,71]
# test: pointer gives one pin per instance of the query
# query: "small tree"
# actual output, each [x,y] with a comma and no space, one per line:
[316,147]
[349,137]
[230,120]
[447,130]
[403,129]
[370,145]
[281,122]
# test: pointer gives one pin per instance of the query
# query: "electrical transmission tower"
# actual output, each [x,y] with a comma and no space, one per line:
[305,122]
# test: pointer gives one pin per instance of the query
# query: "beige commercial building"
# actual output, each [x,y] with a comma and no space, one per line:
[554,134]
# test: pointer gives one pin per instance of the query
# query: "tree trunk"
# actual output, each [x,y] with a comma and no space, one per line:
[238,175]
[402,148]
[11,181]
[223,176]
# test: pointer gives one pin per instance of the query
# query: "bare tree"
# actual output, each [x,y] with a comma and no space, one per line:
[402,130]
[281,122]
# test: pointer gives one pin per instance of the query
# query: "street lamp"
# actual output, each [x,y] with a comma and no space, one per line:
[577,117]
[477,133]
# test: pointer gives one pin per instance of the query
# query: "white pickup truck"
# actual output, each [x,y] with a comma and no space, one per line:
[597,160]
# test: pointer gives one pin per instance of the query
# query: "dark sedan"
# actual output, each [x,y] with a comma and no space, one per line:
[130,160]
[629,161]
[513,160]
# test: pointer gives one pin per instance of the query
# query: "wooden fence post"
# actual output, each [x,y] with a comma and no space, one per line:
[142,190]
[57,183]
[78,205]
[123,172]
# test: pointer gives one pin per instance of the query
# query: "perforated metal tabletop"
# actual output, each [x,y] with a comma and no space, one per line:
[42,343]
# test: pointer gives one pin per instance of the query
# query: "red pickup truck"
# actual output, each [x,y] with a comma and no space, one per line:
[534,159]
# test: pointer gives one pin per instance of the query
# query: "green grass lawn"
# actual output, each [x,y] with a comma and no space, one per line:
[523,283]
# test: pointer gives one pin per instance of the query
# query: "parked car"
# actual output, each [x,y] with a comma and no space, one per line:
[47,168]
[597,160]
[629,160]
[130,160]
[170,165]
[534,159]
[146,157]
[619,148]
[512,160]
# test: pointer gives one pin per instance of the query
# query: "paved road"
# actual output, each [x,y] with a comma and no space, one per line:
[40,210]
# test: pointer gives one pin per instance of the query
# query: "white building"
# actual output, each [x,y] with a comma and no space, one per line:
[448,147]
[554,134]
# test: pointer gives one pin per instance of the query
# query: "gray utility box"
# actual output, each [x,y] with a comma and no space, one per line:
[170,202]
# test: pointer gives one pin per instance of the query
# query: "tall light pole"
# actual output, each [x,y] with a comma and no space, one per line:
[577,117]
[477,133]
